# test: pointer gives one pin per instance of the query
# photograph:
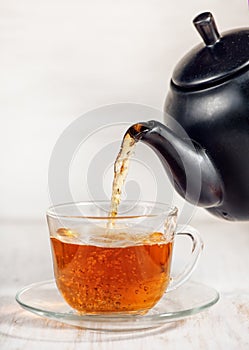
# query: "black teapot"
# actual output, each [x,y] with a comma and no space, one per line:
[209,99]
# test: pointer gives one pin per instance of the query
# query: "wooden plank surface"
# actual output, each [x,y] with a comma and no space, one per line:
[25,258]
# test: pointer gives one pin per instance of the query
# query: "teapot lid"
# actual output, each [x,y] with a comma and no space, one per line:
[215,60]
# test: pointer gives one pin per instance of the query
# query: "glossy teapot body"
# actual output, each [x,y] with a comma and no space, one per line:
[204,142]
[209,98]
[217,118]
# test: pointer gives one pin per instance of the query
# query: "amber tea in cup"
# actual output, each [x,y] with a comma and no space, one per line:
[122,268]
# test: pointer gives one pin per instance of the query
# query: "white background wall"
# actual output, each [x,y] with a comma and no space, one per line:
[60,58]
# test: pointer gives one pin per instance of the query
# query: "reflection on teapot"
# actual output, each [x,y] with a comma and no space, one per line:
[209,98]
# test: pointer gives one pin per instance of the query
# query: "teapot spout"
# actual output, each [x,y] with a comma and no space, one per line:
[189,167]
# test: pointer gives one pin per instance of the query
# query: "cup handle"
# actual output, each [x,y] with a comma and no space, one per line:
[197,246]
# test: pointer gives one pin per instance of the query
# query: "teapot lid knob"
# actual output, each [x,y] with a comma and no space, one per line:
[205,24]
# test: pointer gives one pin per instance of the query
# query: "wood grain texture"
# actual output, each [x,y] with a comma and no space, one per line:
[25,258]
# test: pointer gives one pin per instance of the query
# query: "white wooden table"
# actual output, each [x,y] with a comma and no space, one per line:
[25,258]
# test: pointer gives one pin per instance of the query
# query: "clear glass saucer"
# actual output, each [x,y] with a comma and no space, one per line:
[44,299]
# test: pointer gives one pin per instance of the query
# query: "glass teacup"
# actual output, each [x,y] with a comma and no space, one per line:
[121,265]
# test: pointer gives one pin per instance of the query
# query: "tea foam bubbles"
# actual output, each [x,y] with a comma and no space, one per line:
[118,236]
